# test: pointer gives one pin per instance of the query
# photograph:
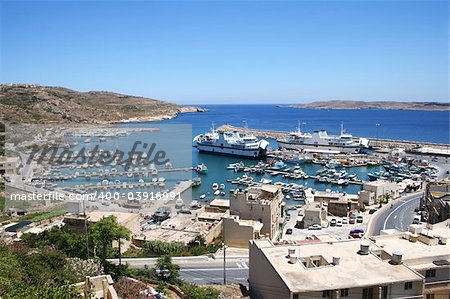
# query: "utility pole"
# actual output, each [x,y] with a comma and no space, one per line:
[86,228]
[224,264]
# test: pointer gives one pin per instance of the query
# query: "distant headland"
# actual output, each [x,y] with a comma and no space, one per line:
[32,103]
[386,105]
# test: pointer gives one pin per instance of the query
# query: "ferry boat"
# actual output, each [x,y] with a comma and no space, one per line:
[231,144]
[320,141]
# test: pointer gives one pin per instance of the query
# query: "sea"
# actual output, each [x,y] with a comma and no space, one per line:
[425,126]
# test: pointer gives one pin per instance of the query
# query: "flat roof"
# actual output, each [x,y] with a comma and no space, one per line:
[354,270]
[219,202]
[413,252]
[122,217]
[270,188]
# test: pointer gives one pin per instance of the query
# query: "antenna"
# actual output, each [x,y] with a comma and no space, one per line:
[342,128]
[213,129]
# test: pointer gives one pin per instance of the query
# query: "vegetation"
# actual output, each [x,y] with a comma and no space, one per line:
[41,216]
[198,292]
[104,232]
[34,274]
[159,248]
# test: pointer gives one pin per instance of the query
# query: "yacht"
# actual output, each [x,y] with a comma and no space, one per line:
[231,143]
[320,141]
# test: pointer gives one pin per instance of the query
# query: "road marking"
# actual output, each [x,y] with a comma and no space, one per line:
[198,279]
[209,269]
[390,214]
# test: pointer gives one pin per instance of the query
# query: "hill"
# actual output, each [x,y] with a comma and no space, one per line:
[390,105]
[30,103]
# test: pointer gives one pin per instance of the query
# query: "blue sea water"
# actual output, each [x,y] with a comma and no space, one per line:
[430,126]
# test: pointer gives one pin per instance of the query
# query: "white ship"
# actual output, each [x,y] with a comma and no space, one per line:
[320,141]
[231,143]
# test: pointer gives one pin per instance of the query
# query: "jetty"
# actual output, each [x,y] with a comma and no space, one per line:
[377,143]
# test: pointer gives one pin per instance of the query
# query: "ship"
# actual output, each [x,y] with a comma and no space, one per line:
[238,144]
[321,142]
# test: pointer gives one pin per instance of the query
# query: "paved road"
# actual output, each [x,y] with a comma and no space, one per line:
[202,270]
[400,216]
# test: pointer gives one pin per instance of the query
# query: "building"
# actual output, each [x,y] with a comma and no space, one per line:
[237,232]
[381,189]
[426,252]
[340,269]
[9,165]
[367,197]
[436,203]
[314,214]
[339,204]
[263,204]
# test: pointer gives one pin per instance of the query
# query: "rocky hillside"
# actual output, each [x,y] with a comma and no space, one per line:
[392,105]
[27,103]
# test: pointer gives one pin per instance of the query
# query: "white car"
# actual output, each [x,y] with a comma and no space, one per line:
[315,227]
[339,222]
[344,220]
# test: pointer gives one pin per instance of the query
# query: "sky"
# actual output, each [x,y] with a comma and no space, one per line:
[200,52]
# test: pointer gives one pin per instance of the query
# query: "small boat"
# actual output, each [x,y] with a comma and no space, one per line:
[201,168]
[195,204]
[203,196]
[265,181]
[222,187]
[88,140]
[161,179]
[196,181]
[217,193]
[215,186]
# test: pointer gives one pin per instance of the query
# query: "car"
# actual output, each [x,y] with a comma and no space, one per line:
[288,217]
[289,231]
[339,222]
[344,220]
[359,219]
[292,208]
[333,222]
[417,209]
[352,220]
[371,211]
[416,219]
[315,227]
[356,233]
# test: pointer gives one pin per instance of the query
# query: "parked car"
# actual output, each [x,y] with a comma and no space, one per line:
[357,233]
[289,231]
[344,220]
[359,219]
[339,222]
[315,227]
[371,211]
[352,220]
[416,219]
[333,222]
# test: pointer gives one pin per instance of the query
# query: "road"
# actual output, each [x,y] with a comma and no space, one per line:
[201,270]
[400,216]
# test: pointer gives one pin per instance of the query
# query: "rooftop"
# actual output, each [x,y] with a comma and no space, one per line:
[353,270]
[414,253]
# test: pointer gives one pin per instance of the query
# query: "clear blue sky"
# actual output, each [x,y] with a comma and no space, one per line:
[232,52]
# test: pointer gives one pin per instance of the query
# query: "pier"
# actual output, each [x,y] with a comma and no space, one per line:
[377,143]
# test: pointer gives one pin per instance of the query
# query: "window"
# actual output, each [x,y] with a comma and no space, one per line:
[408,285]
[326,294]
[430,296]
[384,292]
[344,292]
[367,293]
[295,296]
[430,273]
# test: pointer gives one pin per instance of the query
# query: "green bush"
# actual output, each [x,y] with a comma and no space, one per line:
[194,291]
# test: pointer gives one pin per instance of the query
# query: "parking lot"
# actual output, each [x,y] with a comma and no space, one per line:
[338,232]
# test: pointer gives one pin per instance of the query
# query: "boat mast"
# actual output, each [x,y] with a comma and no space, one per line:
[342,128]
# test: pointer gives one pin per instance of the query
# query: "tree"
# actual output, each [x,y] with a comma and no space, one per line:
[105,231]
[166,270]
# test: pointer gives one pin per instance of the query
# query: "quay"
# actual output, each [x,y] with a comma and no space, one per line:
[377,143]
